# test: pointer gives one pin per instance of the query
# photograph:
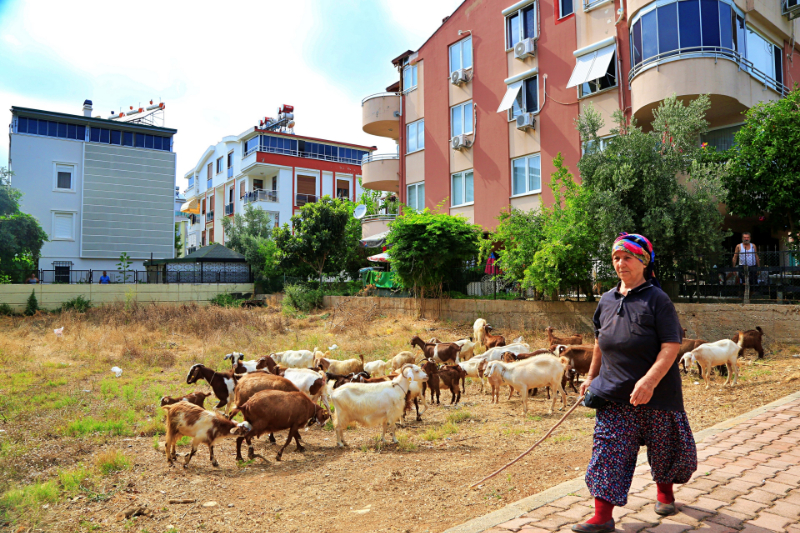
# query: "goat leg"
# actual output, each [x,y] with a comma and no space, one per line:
[211,455]
[239,441]
[288,440]
[300,447]
[191,454]
[416,406]
[272,438]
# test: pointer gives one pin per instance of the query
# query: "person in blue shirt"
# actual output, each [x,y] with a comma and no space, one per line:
[104,278]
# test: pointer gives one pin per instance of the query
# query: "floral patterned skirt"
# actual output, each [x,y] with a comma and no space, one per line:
[620,430]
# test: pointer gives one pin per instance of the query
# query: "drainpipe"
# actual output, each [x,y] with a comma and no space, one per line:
[401,193]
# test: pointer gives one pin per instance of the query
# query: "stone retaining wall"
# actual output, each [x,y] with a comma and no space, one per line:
[708,321]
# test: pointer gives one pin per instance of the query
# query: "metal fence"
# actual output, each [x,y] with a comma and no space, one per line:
[68,276]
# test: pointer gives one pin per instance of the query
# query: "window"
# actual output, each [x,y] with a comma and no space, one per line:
[209,175]
[250,145]
[462,189]
[527,100]
[526,175]
[342,189]
[63,226]
[590,147]
[127,139]
[415,138]
[721,139]
[415,197]
[64,177]
[767,59]
[461,55]
[520,25]
[461,119]
[565,8]
[219,165]
[608,80]
[409,77]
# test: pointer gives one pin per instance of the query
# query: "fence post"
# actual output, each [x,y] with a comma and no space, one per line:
[746,284]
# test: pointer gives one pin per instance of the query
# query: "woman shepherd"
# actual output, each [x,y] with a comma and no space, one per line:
[635,385]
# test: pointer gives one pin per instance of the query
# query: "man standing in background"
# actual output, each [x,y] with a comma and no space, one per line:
[746,254]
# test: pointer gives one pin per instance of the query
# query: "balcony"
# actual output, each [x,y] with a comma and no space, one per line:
[194,219]
[228,209]
[303,199]
[260,195]
[375,224]
[209,216]
[380,114]
[381,172]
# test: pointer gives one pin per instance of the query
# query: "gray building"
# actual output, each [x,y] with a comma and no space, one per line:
[99,187]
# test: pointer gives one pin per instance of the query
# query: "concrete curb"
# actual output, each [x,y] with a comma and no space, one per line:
[534,501]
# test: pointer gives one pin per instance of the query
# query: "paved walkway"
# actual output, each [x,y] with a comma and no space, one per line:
[748,480]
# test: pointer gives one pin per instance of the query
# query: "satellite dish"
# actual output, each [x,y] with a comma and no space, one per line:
[360,211]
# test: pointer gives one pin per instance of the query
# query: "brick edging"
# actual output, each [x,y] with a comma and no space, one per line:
[534,501]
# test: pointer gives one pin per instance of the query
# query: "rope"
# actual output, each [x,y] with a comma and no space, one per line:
[529,450]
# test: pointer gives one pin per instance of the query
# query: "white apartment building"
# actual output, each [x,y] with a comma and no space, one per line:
[275,171]
[99,187]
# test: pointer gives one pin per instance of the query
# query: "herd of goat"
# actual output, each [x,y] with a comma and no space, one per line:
[282,391]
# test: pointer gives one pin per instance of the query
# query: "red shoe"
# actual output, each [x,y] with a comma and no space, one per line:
[608,527]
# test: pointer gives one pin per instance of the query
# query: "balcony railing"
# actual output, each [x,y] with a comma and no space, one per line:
[303,199]
[301,153]
[261,195]
[228,209]
[378,157]
[716,52]
[209,216]
[377,95]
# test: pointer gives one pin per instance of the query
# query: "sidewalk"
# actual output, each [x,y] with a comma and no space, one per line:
[748,480]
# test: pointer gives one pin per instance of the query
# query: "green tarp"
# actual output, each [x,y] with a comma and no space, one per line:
[382,280]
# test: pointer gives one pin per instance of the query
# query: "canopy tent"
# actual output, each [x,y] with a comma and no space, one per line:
[379,258]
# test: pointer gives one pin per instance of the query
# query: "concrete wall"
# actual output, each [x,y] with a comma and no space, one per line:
[708,321]
[52,296]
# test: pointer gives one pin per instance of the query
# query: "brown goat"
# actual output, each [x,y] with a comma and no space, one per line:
[432,369]
[450,377]
[445,352]
[580,359]
[510,357]
[752,341]
[197,398]
[254,382]
[552,339]
[492,341]
[205,427]
[268,364]
[274,410]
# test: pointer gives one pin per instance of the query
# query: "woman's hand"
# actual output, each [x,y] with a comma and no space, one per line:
[643,391]
[585,385]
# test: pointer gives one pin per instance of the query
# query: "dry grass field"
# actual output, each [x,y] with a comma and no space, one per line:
[80,448]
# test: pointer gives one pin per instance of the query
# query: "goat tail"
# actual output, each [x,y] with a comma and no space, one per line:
[758,328]
[362,359]
[741,339]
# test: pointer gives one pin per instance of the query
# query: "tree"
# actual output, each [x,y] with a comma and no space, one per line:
[634,182]
[568,239]
[21,235]
[515,241]
[765,169]
[316,236]
[249,234]
[428,247]
[178,240]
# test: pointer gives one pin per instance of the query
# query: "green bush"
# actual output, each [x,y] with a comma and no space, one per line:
[6,310]
[33,304]
[79,304]
[225,299]
[302,298]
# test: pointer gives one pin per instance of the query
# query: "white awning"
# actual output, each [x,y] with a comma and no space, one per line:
[511,94]
[192,206]
[592,65]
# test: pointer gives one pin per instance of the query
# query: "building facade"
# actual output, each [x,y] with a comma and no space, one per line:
[276,172]
[181,223]
[98,187]
[484,105]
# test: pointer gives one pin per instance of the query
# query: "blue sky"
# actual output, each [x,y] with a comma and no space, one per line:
[218,66]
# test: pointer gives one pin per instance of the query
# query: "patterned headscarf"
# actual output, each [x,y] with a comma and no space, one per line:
[636,245]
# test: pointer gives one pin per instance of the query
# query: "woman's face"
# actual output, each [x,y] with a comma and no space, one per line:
[628,268]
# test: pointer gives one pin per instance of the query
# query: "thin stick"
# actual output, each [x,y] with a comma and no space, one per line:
[529,450]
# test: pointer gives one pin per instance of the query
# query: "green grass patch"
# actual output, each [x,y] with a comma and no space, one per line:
[72,479]
[90,425]
[459,416]
[404,443]
[27,500]
[112,461]
[152,427]
[57,382]
[440,432]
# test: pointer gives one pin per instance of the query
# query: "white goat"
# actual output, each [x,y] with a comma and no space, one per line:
[375,368]
[537,372]
[474,370]
[294,358]
[495,354]
[311,382]
[478,332]
[467,349]
[372,404]
[711,354]
[240,365]
[403,358]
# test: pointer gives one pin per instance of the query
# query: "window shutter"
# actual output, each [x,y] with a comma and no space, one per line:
[306,185]
[62,226]
[241,189]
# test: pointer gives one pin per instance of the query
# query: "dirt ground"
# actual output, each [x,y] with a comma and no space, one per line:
[63,413]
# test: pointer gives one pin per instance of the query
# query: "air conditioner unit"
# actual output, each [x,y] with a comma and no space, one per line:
[525,121]
[525,48]
[460,142]
[457,77]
